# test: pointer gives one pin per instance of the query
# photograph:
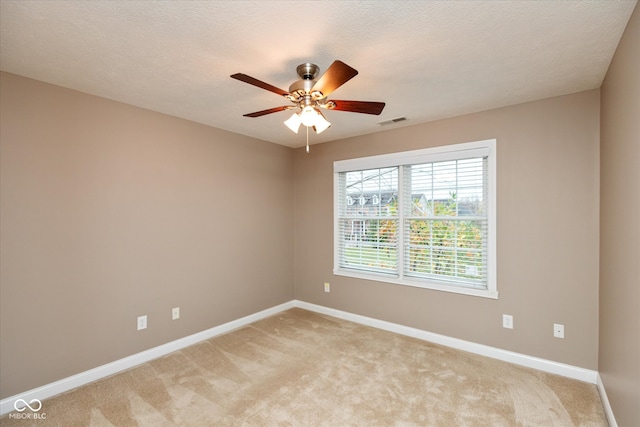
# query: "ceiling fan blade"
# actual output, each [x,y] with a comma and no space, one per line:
[259,83]
[269,111]
[365,107]
[336,75]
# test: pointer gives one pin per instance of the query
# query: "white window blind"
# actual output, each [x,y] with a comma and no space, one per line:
[428,220]
[369,220]
[445,221]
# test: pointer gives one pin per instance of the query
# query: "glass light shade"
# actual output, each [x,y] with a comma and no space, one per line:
[321,123]
[308,116]
[293,122]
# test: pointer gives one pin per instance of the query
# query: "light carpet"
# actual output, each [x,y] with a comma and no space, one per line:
[300,368]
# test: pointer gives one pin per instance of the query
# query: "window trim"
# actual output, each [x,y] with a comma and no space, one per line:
[427,155]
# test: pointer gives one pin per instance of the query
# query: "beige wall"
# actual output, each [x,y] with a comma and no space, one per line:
[109,212]
[619,359]
[548,201]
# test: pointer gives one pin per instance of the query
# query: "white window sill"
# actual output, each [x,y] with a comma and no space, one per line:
[456,289]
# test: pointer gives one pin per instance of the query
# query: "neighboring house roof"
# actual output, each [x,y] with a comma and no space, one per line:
[375,199]
[372,198]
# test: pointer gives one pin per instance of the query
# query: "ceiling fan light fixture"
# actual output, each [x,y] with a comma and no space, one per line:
[310,117]
[309,94]
[293,122]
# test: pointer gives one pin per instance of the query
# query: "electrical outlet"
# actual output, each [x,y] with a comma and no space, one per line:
[558,330]
[507,321]
[175,313]
[142,322]
[327,287]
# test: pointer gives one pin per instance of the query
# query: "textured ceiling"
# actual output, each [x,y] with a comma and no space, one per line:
[426,59]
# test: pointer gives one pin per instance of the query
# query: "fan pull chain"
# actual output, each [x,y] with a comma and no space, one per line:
[307,140]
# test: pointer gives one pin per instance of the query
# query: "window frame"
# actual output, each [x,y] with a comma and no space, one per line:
[428,155]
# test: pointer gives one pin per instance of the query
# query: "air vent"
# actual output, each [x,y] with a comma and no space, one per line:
[396,120]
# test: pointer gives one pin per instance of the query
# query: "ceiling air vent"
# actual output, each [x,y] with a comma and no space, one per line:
[396,120]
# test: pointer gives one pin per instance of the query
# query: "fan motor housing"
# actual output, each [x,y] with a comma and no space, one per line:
[302,88]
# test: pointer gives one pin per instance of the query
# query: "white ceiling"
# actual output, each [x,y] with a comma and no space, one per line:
[426,59]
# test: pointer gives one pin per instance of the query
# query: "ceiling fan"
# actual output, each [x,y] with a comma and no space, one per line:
[309,95]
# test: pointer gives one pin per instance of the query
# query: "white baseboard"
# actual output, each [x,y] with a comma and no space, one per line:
[605,402]
[69,383]
[86,377]
[544,365]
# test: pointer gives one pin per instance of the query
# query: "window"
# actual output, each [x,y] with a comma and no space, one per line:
[422,218]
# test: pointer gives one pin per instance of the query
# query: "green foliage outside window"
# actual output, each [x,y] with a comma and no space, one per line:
[444,247]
